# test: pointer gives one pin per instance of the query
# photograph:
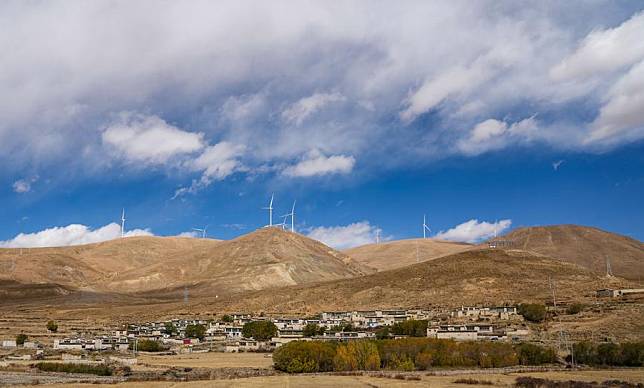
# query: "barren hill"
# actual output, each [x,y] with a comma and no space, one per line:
[485,276]
[85,266]
[586,246]
[401,253]
[269,257]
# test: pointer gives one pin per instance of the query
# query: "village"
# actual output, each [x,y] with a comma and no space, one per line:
[227,334]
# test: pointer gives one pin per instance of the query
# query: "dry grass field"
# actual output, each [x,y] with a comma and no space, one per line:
[306,381]
[209,360]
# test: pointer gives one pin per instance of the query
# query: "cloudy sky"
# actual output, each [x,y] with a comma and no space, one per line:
[483,115]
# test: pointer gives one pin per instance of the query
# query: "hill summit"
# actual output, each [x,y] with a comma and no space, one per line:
[582,245]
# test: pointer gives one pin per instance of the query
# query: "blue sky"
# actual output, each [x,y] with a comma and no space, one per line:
[368,114]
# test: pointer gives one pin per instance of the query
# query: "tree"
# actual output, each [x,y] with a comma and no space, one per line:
[382,333]
[412,328]
[533,312]
[145,345]
[52,326]
[196,331]
[170,328]
[227,318]
[21,338]
[312,329]
[259,330]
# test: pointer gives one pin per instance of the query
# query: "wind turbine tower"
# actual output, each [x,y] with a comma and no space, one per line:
[293,218]
[203,231]
[377,236]
[123,223]
[425,227]
[270,211]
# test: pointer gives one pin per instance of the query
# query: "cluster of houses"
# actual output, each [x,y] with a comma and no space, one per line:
[474,323]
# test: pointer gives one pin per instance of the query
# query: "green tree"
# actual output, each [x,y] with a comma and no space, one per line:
[608,354]
[533,312]
[145,345]
[196,331]
[312,329]
[21,338]
[382,333]
[412,328]
[227,319]
[52,326]
[259,330]
[170,328]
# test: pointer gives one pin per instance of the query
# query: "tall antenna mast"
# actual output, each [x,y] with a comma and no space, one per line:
[123,223]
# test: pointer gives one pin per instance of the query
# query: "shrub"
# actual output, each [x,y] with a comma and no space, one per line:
[227,318]
[533,312]
[196,331]
[473,382]
[608,354]
[575,308]
[99,370]
[259,330]
[146,346]
[304,357]
[21,338]
[52,326]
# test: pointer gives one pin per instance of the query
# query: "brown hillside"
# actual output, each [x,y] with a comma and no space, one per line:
[85,266]
[585,246]
[472,277]
[401,253]
[269,257]
[266,258]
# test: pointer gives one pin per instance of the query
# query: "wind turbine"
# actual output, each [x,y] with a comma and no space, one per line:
[203,231]
[270,211]
[425,227]
[292,215]
[123,223]
[377,236]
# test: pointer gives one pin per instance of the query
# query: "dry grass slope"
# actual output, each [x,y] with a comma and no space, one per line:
[401,253]
[472,277]
[585,246]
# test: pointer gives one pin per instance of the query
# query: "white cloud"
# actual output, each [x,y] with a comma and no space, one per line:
[605,51]
[343,237]
[190,234]
[316,164]
[305,107]
[435,90]
[621,118]
[280,79]
[149,139]
[493,134]
[74,234]
[474,231]
[216,163]
[23,185]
